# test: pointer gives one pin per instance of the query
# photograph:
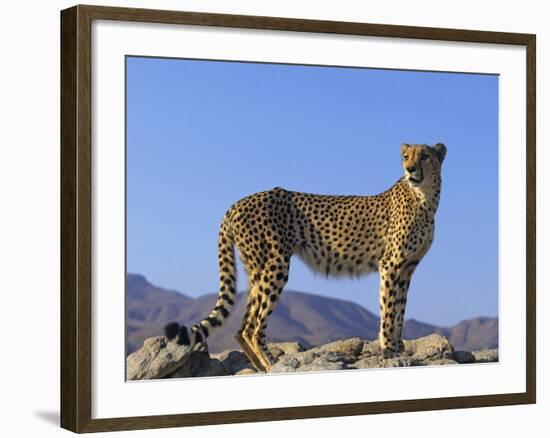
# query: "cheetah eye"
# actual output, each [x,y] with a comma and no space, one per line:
[405,157]
[423,157]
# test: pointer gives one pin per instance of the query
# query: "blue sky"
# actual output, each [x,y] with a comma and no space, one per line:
[203,134]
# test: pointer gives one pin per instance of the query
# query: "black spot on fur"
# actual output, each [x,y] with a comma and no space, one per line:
[213,321]
[226,298]
[183,338]
[198,337]
[171,330]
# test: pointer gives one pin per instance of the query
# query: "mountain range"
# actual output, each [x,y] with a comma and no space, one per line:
[299,317]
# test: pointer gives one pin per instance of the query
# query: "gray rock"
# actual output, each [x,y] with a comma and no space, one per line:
[282,368]
[156,359]
[486,355]
[306,357]
[233,361]
[464,357]
[443,362]
[429,348]
[368,362]
[422,351]
[348,349]
[402,360]
[159,358]
[309,361]
[322,364]
[371,348]
[332,356]
[279,349]
[286,364]
[200,364]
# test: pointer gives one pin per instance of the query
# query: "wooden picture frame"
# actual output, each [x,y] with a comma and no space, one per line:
[76,217]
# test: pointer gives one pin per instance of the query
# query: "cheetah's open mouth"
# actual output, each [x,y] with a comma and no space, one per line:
[414,180]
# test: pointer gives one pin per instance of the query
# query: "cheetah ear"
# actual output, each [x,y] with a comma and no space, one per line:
[441,151]
[404,148]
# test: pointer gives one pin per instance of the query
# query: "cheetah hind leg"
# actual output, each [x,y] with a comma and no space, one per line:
[266,302]
[249,352]
[247,327]
[262,352]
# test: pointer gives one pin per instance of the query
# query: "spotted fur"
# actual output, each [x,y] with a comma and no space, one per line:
[335,235]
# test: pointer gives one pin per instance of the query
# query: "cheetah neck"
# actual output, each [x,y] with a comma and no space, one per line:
[428,194]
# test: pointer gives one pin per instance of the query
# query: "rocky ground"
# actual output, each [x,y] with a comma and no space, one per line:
[161,359]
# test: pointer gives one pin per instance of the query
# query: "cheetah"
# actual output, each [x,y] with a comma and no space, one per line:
[335,235]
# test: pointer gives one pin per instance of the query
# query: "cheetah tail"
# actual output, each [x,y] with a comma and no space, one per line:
[198,333]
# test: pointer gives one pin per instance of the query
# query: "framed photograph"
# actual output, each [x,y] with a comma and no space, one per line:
[228,183]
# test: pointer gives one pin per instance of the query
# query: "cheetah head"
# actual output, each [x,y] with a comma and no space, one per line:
[421,162]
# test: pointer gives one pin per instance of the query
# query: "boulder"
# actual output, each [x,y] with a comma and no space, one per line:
[309,361]
[156,359]
[443,362]
[429,348]
[200,364]
[159,358]
[348,349]
[464,357]
[489,355]
[233,361]
[279,349]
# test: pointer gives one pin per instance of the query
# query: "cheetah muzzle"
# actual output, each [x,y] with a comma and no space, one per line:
[336,235]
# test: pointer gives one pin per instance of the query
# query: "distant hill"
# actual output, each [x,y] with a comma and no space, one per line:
[471,334]
[300,317]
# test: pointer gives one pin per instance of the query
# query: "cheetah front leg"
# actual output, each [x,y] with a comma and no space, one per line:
[394,285]
[400,304]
